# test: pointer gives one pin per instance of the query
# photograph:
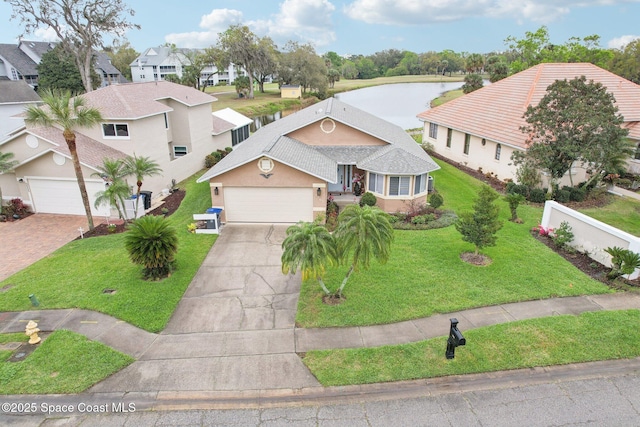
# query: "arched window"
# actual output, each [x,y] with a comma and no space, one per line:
[498,151]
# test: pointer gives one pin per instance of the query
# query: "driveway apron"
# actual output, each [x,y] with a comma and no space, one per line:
[233,328]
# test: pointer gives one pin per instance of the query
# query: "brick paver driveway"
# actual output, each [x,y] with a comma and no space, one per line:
[26,241]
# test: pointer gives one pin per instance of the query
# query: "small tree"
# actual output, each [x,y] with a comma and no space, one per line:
[311,248]
[481,225]
[152,243]
[112,171]
[363,233]
[472,82]
[140,167]
[514,200]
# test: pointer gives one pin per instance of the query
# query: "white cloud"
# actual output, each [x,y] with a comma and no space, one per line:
[214,23]
[46,35]
[621,42]
[418,12]
[298,20]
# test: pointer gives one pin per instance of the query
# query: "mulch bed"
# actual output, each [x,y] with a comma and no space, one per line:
[587,265]
[171,203]
[479,259]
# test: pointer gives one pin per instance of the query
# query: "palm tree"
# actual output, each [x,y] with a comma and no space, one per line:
[152,243]
[6,164]
[140,167]
[61,110]
[309,247]
[363,233]
[113,172]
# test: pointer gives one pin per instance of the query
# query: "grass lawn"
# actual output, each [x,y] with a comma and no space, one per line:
[425,275]
[446,97]
[622,213]
[537,342]
[76,274]
[65,362]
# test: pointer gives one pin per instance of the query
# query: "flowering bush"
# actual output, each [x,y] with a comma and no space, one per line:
[545,232]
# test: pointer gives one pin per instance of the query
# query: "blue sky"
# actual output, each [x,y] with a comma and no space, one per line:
[369,26]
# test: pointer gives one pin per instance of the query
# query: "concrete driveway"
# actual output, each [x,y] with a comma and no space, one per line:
[233,330]
[34,237]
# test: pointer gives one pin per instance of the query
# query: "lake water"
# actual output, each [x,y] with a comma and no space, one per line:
[397,103]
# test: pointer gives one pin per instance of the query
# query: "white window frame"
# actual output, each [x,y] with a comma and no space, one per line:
[498,151]
[433,130]
[467,144]
[404,185]
[376,183]
[115,131]
[449,137]
[176,155]
[420,184]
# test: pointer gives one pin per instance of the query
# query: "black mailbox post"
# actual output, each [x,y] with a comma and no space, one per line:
[455,339]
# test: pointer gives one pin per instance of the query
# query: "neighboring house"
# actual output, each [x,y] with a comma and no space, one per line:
[242,124]
[19,62]
[15,96]
[156,63]
[169,123]
[285,170]
[482,129]
[291,91]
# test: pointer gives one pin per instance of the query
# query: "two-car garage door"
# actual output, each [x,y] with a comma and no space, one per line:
[63,196]
[257,204]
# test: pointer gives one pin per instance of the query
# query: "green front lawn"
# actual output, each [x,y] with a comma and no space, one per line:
[537,342]
[425,274]
[622,213]
[65,362]
[76,275]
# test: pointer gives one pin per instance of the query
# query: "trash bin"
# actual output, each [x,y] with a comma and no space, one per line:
[212,223]
[430,184]
[146,198]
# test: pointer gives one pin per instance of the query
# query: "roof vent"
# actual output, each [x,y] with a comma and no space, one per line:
[319,111]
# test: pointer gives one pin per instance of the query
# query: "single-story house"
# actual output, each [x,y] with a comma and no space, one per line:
[171,124]
[285,171]
[482,129]
[242,124]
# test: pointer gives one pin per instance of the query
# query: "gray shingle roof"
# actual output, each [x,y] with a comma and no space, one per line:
[16,92]
[20,60]
[401,156]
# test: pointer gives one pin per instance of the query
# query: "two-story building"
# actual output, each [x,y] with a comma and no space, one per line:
[481,130]
[171,124]
[19,62]
[156,63]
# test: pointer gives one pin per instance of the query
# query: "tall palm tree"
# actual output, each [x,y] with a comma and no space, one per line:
[6,164]
[309,247]
[113,172]
[61,110]
[363,233]
[140,167]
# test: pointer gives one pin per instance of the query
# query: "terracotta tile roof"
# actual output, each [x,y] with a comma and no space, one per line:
[137,100]
[90,152]
[496,112]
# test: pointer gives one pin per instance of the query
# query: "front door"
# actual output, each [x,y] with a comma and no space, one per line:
[344,180]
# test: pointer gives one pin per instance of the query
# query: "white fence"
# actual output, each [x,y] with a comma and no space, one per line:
[590,235]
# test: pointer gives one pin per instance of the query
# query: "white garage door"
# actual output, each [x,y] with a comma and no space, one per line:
[63,196]
[249,204]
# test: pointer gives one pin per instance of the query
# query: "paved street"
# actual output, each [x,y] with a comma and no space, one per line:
[612,401]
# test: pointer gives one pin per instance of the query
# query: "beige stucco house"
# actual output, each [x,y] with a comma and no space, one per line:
[285,171]
[171,124]
[482,129]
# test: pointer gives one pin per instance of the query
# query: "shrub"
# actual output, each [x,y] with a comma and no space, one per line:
[562,196]
[537,195]
[577,194]
[514,188]
[563,235]
[152,243]
[368,199]
[423,219]
[436,200]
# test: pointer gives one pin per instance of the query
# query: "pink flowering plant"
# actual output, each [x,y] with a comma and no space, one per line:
[545,232]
